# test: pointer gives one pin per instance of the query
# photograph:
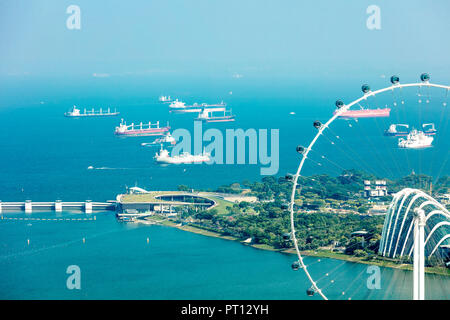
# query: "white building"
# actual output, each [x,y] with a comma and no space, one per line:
[373,189]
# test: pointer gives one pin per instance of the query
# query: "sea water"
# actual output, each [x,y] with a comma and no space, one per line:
[45,157]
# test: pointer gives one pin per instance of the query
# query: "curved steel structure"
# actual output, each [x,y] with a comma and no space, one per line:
[321,128]
[397,238]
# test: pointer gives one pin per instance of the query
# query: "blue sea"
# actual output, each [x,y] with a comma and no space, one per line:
[45,157]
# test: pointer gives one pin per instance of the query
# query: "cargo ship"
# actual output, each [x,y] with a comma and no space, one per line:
[364,113]
[181,107]
[142,129]
[216,115]
[165,99]
[75,112]
[185,158]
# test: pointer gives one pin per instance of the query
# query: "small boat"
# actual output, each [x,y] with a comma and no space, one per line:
[397,130]
[185,158]
[165,99]
[415,140]
[75,112]
[166,139]
[364,113]
[142,129]
[216,115]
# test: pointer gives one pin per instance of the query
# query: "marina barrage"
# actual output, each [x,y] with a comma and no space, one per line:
[236,143]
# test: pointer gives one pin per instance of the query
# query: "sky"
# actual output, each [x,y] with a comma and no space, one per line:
[230,39]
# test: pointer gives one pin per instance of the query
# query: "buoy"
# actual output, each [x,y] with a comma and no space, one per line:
[148,240]
[28,241]
[84,240]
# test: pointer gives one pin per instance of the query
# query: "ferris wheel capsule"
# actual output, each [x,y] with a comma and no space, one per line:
[365,88]
[295,265]
[395,79]
[339,104]
[289,177]
[317,124]
[425,77]
[310,292]
[300,149]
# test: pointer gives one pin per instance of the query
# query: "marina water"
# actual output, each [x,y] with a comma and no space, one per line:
[45,157]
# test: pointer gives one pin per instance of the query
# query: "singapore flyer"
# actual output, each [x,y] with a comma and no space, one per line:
[368,140]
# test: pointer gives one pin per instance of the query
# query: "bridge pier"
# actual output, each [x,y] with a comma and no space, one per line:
[88,206]
[58,206]
[28,206]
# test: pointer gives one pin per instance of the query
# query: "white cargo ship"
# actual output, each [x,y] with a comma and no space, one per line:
[181,107]
[415,140]
[75,112]
[165,99]
[164,157]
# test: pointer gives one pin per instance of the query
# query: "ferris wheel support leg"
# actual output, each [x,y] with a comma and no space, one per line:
[419,256]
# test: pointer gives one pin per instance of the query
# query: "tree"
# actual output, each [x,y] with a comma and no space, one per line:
[182,187]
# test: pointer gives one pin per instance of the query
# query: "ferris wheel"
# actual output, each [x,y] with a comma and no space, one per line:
[388,133]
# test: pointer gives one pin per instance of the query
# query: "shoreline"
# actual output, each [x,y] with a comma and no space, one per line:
[310,253]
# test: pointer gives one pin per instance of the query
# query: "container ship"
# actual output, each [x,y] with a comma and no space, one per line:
[216,115]
[75,112]
[364,113]
[181,107]
[142,129]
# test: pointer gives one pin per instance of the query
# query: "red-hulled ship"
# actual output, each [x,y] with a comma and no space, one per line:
[142,129]
[364,113]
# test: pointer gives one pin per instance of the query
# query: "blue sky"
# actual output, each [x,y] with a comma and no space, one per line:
[252,38]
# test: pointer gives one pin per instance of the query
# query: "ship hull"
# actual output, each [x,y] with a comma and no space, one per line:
[366,113]
[144,132]
[196,109]
[219,119]
[396,134]
[91,115]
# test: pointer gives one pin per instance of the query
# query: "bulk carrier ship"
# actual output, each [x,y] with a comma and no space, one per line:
[142,129]
[75,112]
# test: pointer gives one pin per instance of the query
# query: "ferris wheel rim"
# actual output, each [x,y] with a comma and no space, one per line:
[322,127]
